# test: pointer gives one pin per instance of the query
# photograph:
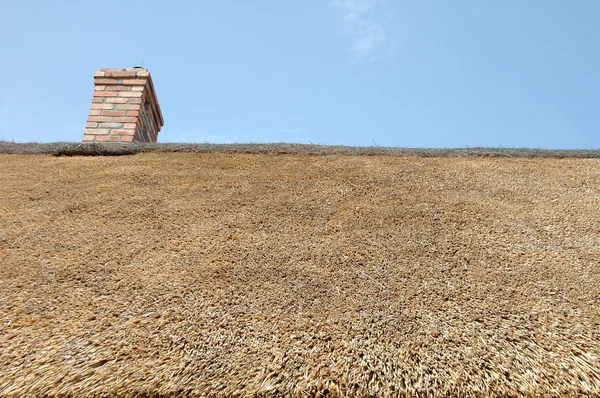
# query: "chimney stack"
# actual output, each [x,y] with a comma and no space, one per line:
[124,107]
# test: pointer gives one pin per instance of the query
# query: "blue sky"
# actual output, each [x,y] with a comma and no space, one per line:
[513,73]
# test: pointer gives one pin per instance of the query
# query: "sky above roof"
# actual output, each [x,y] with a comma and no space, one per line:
[425,73]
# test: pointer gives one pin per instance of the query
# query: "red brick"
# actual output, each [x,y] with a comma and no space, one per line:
[121,73]
[108,138]
[114,113]
[110,125]
[95,131]
[102,106]
[125,119]
[116,100]
[127,107]
[123,132]
[106,81]
[134,94]
[106,93]
[118,87]
[99,119]
[135,82]
[117,106]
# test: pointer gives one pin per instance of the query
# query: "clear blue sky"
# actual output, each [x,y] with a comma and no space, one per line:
[514,73]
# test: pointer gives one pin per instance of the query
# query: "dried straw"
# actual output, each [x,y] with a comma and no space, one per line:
[166,274]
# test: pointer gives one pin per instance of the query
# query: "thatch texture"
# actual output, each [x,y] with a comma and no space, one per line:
[97,150]
[186,274]
[117,149]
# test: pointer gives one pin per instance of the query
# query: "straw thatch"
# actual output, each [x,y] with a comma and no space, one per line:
[186,274]
[118,149]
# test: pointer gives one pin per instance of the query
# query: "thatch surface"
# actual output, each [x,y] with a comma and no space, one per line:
[116,149]
[187,274]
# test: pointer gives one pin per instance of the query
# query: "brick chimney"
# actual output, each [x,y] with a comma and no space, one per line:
[124,107]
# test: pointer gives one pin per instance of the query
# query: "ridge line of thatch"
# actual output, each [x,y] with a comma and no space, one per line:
[110,149]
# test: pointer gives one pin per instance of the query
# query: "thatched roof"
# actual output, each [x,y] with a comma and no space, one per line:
[118,149]
[199,274]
